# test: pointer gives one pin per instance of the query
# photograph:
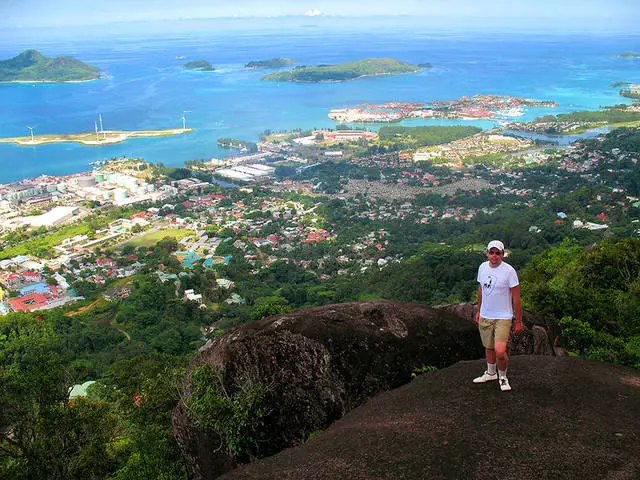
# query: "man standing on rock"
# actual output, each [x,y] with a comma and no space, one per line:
[498,297]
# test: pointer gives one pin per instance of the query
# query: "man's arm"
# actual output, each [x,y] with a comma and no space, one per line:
[517,307]
[479,303]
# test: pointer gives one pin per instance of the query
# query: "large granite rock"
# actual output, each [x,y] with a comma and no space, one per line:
[318,364]
[565,419]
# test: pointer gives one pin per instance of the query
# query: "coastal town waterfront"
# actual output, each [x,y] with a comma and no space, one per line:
[483,107]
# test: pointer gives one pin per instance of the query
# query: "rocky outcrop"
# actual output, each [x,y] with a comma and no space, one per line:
[318,364]
[565,419]
[321,363]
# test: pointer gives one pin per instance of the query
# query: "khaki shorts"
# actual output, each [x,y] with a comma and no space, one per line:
[494,330]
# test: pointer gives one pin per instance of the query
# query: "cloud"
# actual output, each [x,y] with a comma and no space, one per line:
[314,12]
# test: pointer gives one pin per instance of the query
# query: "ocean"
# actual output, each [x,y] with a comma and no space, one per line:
[147,88]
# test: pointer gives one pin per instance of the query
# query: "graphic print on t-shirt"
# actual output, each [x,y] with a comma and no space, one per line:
[488,284]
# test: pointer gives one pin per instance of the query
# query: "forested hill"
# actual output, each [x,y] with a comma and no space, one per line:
[343,71]
[32,66]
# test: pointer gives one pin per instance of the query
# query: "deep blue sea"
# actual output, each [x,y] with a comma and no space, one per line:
[147,88]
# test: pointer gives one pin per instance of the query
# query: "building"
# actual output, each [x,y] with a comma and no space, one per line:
[53,217]
[350,135]
[191,296]
[17,192]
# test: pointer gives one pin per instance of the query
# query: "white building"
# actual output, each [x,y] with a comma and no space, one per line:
[55,216]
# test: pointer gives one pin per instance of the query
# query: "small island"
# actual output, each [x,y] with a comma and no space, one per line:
[628,54]
[199,65]
[271,63]
[32,66]
[343,71]
[95,138]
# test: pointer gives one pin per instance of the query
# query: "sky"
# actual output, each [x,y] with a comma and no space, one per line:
[616,14]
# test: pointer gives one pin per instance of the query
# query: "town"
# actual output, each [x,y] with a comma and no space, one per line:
[330,203]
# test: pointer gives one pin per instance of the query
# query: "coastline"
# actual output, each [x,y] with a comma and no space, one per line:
[51,81]
[89,138]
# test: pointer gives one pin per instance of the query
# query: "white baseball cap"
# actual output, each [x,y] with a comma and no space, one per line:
[495,244]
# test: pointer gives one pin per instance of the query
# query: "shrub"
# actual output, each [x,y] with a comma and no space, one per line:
[235,416]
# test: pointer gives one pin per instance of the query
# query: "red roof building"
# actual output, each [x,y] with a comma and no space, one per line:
[28,303]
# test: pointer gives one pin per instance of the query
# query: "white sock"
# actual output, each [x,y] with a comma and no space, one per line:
[491,368]
[502,373]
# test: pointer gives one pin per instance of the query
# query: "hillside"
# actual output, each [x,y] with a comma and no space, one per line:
[343,71]
[32,66]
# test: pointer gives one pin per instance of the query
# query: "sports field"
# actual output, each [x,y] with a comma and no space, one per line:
[151,238]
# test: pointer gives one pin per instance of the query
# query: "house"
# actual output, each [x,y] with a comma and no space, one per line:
[191,296]
[224,283]
[28,303]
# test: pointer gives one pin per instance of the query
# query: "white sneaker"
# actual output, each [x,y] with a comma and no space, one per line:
[485,377]
[504,384]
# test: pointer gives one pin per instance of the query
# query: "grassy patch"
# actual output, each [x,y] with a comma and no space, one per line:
[150,239]
[39,246]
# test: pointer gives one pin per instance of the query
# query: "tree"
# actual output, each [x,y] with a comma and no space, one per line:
[267,306]
[42,433]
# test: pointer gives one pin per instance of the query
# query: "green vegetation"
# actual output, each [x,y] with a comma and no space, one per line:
[609,115]
[200,65]
[592,295]
[41,245]
[231,142]
[152,238]
[227,142]
[425,136]
[343,71]
[271,63]
[41,241]
[32,66]
[235,416]
[423,370]
[631,93]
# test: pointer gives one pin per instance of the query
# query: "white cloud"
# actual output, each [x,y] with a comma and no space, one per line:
[314,12]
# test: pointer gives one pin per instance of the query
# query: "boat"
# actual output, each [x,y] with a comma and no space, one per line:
[510,112]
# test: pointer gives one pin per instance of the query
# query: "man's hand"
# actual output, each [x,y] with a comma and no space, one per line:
[478,317]
[518,328]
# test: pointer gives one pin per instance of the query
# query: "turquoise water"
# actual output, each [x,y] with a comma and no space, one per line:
[147,88]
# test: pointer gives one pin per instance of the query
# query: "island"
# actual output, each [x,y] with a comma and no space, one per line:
[477,107]
[628,54]
[343,71]
[199,65]
[98,137]
[32,66]
[271,63]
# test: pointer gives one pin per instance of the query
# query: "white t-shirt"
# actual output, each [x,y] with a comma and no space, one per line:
[496,286]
